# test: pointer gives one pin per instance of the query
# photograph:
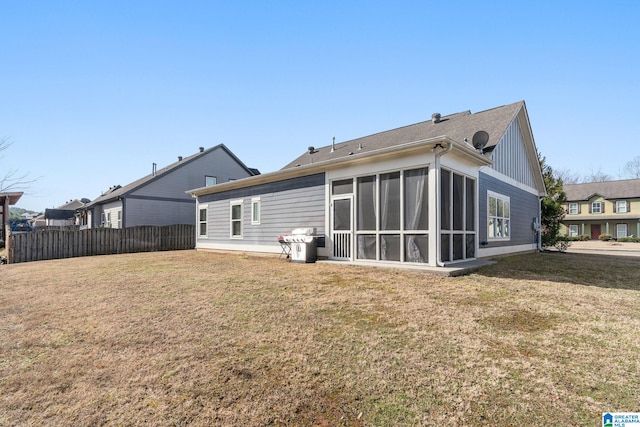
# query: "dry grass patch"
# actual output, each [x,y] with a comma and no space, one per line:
[199,338]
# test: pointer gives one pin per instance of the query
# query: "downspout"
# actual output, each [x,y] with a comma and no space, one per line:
[540,224]
[439,154]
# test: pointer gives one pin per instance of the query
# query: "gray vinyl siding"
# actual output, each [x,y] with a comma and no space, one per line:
[158,212]
[284,205]
[524,207]
[174,185]
[510,156]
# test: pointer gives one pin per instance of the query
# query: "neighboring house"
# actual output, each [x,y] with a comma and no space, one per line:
[160,198]
[417,194]
[7,199]
[610,207]
[63,215]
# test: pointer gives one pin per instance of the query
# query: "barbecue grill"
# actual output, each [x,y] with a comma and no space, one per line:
[301,245]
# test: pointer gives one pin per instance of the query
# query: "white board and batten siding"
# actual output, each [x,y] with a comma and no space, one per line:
[284,205]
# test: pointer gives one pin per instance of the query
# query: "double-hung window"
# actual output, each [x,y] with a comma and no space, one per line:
[574,209]
[202,221]
[621,206]
[596,207]
[573,230]
[236,219]
[499,218]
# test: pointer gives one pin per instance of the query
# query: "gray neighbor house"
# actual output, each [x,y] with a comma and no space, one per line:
[443,191]
[159,198]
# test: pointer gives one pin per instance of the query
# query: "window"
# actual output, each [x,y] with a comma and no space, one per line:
[573,230]
[622,206]
[236,219]
[596,207]
[621,230]
[202,221]
[574,209]
[210,180]
[119,219]
[499,217]
[108,219]
[255,210]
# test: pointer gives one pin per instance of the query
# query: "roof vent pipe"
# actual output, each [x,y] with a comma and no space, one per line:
[435,117]
[179,158]
[333,145]
[154,168]
[201,149]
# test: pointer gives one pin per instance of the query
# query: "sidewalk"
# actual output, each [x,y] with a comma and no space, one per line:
[605,248]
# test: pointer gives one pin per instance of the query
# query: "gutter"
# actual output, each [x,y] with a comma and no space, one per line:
[439,154]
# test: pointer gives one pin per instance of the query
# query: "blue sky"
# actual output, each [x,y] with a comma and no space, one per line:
[94,92]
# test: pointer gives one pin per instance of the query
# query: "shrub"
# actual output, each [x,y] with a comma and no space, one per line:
[605,237]
[629,239]
[584,237]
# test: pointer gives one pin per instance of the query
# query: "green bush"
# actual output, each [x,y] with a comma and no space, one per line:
[580,238]
[629,239]
[605,237]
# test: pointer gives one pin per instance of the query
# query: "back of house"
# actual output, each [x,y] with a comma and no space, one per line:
[442,191]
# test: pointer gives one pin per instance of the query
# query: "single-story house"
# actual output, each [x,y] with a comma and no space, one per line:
[609,207]
[64,215]
[159,198]
[446,190]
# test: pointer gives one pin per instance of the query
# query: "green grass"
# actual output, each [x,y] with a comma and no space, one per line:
[201,338]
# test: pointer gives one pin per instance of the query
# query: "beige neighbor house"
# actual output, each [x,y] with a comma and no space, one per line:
[610,207]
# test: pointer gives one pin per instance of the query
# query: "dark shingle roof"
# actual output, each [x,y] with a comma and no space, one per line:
[623,189]
[455,126]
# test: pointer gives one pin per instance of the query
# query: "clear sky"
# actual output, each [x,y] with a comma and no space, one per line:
[93,92]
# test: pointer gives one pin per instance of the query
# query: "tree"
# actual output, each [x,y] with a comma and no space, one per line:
[597,176]
[567,176]
[552,205]
[12,180]
[632,168]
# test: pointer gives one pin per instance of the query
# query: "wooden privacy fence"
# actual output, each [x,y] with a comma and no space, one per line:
[67,243]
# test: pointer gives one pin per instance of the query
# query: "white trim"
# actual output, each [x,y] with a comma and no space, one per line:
[504,178]
[255,201]
[503,250]
[576,205]
[233,203]
[231,246]
[493,194]
[199,222]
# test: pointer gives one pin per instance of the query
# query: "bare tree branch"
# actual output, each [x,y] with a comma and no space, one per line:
[12,180]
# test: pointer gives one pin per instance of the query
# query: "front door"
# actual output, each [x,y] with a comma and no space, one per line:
[342,227]
[595,231]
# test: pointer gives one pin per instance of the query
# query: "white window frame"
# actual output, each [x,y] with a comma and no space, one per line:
[504,231]
[573,209]
[108,219]
[618,228]
[202,222]
[232,204]
[574,230]
[593,207]
[210,180]
[255,210]
[621,206]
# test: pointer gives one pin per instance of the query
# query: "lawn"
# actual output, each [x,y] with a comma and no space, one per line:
[212,338]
